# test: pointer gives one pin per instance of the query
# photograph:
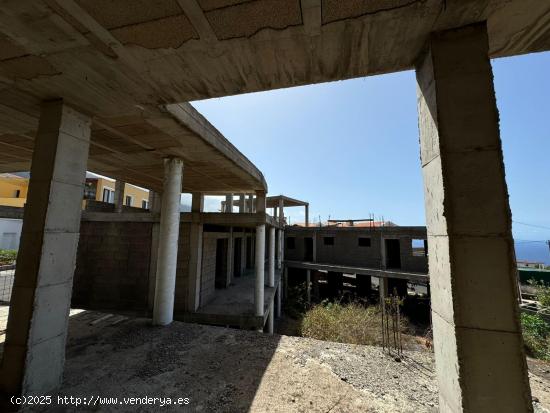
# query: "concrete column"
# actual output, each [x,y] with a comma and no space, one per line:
[281,212]
[250,204]
[307,215]
[229,203]
[229,257]
[163,310]
[34,351]
[119,195]
[280,237]
[383,288]
[271,258]
[195,252]
[308,286]
[242,199]
[480,362]
[243,252]
[278,298]
[259,269]
[271,319]
[154,201]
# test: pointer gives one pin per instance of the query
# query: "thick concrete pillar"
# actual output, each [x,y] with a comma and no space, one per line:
[480,362]
[259,269]
[308,286]
[271,319]
[242,199]
[250,203]
[383,290]
[278,298]
[307,215]
[281,212]
[243,252]
[163,309]
[119,195]
[260,257]
[195,252]
[280,238]
[271,258]
[229,203]
[34,351]
[229,257]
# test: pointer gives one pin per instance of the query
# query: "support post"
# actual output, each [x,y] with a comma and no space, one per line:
[119,195]
[278,298]
[260,258]
[271,258]
[480,361]
[242,199]
[229,258]
[163,310]
[250,204]
[308,286]
[307,215]
[271,319]
[195,252]
[34,351]
[229,203]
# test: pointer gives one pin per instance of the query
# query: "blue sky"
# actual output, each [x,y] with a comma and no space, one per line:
[351,148]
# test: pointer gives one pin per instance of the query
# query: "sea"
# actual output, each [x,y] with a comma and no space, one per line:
[533,251]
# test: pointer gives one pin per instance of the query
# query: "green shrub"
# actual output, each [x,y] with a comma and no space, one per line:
[8,256]
[535,336]
[542,292]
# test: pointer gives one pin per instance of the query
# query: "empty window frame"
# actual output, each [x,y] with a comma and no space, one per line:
[290,243]
[363,242]
[419,247]
[145,204]
[128,200]
[108,195]
[328,240]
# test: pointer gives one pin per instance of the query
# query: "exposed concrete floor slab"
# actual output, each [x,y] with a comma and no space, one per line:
[226,370]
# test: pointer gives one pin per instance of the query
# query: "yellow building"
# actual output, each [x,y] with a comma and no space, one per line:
[13,191]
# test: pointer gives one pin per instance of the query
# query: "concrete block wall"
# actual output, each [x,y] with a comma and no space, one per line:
[208,276]
[112,267]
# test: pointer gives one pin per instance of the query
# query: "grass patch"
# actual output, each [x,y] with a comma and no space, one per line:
[344,323]
[7,256]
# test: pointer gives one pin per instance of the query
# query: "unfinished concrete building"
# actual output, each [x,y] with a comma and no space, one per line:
[394,255]
[99,85]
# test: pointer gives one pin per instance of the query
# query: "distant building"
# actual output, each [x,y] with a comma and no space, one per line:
[530,264]
[13,190]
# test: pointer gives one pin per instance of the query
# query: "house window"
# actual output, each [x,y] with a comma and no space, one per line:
[145,204]
[128,200]
[108,195]
[363,242]
[328,240]
[290,243]
[17,193]
[419,247]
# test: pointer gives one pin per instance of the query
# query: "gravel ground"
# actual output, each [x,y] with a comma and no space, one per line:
[226,370]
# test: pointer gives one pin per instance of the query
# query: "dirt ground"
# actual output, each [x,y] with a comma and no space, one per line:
[226,370]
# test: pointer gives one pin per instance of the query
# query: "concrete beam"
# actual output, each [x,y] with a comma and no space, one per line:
[480,362]
[34,352]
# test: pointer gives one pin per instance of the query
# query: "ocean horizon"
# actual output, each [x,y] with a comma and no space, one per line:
[533,251]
